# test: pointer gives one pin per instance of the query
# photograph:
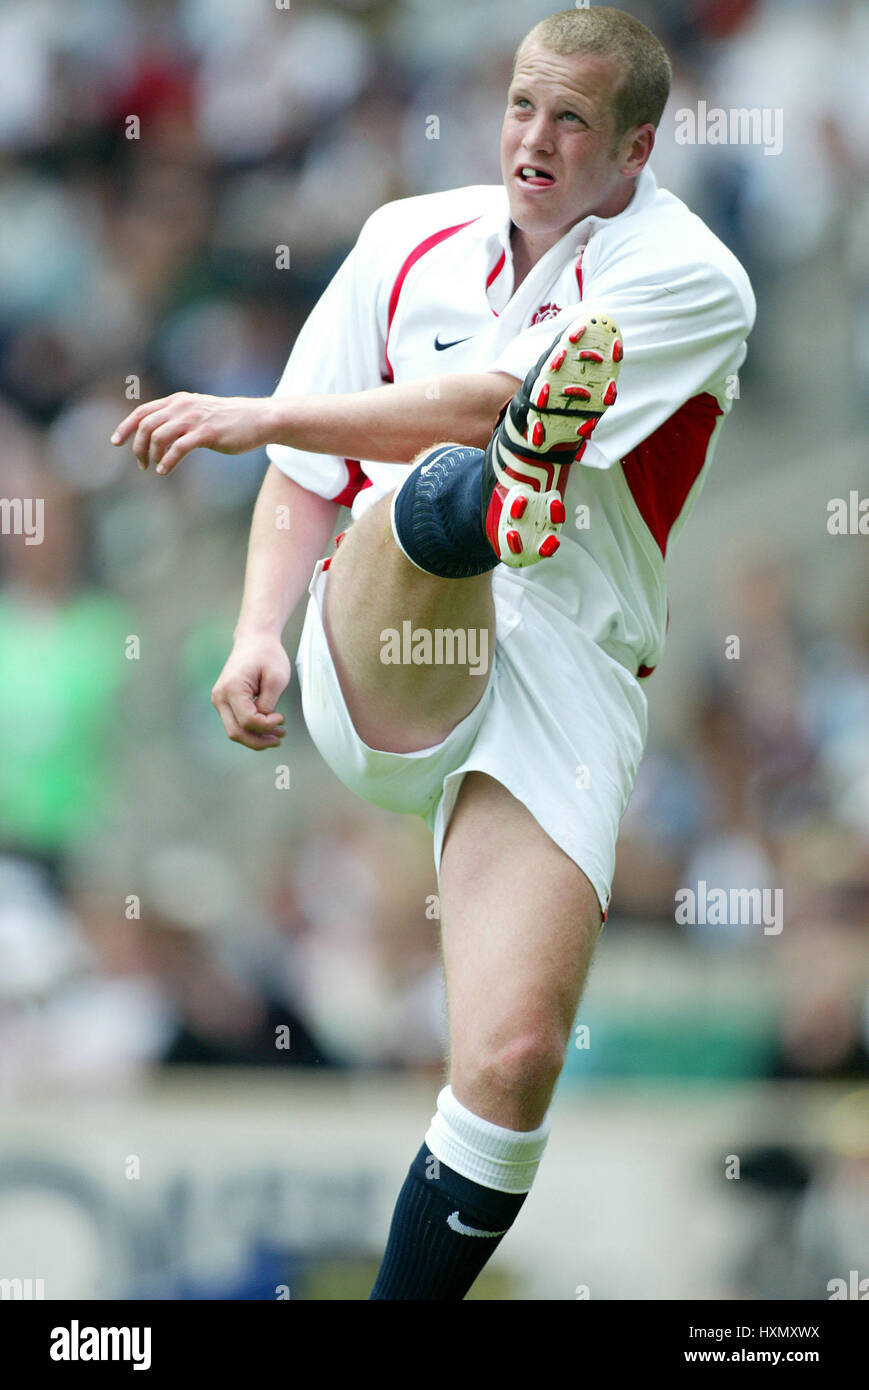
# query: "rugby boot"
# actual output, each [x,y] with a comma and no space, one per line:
[542,432]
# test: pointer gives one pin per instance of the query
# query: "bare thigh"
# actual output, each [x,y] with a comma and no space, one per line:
[372,591]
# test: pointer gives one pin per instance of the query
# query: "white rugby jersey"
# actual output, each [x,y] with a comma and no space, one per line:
[428,290]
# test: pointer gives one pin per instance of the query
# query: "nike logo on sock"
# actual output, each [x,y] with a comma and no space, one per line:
[455,1224]
[441,347]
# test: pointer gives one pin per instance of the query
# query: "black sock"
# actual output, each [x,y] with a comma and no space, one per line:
[434,1249]
[436,514]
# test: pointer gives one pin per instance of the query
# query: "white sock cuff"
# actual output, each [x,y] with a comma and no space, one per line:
[504,1159]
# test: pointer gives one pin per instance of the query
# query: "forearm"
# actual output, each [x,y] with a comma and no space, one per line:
[391,424]
[289,532]
[387,424]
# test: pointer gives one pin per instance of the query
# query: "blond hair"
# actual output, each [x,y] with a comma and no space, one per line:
[642,92]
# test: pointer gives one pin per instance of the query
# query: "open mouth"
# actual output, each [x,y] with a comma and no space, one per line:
[536,178]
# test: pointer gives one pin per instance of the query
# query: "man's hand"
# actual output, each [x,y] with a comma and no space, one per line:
[255,676]
[165,430]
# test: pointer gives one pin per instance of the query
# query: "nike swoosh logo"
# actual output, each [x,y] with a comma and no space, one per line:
[461,1229]
[441,347]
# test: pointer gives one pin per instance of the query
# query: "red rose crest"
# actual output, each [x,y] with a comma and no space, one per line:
[546,311]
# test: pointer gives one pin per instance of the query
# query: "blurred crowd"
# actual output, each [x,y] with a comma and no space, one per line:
[161,899]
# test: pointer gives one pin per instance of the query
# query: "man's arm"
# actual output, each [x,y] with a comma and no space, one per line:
[389,424]
[392,423]
[283,548]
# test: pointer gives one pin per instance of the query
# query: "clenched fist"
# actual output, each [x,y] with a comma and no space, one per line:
[255,676]
[165,430]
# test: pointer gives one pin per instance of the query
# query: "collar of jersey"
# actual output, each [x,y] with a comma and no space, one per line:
[581,232]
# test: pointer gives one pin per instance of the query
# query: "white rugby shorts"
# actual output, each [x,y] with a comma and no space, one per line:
[561,724]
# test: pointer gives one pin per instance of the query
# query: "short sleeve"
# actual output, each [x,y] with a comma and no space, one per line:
[339,349]
[681,337]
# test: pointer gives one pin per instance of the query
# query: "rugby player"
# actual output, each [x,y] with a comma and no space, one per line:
[612,323]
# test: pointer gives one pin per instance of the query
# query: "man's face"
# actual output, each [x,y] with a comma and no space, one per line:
[559,122]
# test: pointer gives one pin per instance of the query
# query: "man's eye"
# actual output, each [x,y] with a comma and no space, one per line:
[522,101]
[571,116]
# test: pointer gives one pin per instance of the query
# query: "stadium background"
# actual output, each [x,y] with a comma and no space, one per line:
[155,1140]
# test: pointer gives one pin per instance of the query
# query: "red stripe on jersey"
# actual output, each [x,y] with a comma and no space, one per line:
[493,274]
[663,469]
[579,274]
[418,251]
[357,482]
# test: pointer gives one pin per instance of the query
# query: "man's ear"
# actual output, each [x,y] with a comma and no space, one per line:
[637,146]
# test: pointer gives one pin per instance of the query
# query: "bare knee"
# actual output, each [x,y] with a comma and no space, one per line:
[511,1082]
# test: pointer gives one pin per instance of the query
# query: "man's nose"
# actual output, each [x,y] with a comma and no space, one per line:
[539,133]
